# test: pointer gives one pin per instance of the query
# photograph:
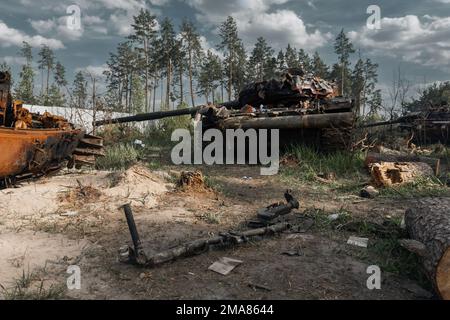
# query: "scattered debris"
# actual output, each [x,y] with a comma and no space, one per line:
[293,253]
[225,265]
[369,192]
[289,160]
[192,181]
[80,194]
[258,286]
[277,209]
[327,177]
[69,214]
[137,255]
[302,226]
[414,246]
[334,216]
[357,241]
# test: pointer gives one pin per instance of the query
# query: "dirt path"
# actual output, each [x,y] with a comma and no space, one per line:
[75,219]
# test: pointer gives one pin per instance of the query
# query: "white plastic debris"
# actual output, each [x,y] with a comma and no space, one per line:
[68,214]
[333,217]
[357,241]
[225,265]
[139,143]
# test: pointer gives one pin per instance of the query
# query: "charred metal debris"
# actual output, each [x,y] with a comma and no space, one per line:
[33,145]
[266,225]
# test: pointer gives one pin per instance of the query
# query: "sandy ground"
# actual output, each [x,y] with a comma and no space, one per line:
[75,218]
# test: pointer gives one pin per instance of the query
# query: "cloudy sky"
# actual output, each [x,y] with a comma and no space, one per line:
[414,35]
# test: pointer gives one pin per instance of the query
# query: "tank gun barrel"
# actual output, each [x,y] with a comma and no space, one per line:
[404,119]
[149,116]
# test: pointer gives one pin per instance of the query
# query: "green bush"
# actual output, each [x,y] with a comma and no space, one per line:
[118,157]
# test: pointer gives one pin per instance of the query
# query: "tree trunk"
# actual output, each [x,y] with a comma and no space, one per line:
[428,222]
[162,94]
[191,84]
[126,94]
[48,78]
[130,102]
[373,157]
[169,71]
[397,173]
[181,84]
[155,86]
[230,80]
[146,76]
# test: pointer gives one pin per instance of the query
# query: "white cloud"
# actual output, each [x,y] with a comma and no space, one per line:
[58,26]
[127,5]
[13,37]
[207,46]
[280,28]
[10,60]
[257,18]
[43,26]
[426,43]
[121,23]
[95,71]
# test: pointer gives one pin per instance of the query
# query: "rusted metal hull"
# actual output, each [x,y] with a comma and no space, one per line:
[34,152]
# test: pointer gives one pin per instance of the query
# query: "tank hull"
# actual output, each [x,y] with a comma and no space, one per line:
[35,152]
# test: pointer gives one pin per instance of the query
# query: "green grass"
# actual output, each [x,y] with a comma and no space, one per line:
[421,187]
[215,184]
[118,157]
[383,249]
[23,289]
[343,164]
[391,257]
[322,222]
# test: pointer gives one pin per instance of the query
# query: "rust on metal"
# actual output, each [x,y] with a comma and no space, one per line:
[32,145]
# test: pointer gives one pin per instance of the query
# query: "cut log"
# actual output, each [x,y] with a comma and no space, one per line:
[373,157]
[396,173]
[428,222]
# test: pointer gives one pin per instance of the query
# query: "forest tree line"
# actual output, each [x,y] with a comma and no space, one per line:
[161,66]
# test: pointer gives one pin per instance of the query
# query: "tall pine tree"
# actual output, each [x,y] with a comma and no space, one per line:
[25,88]
[343,48]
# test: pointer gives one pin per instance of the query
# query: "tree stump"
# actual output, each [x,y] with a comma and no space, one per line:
[428,222]
[392,173]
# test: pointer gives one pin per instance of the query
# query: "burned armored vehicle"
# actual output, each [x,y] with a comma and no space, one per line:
[431,125]
[33,145]
[305,108]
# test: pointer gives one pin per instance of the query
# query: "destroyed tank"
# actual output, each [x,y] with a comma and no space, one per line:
[304,107]
[431,125]
[34,145]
